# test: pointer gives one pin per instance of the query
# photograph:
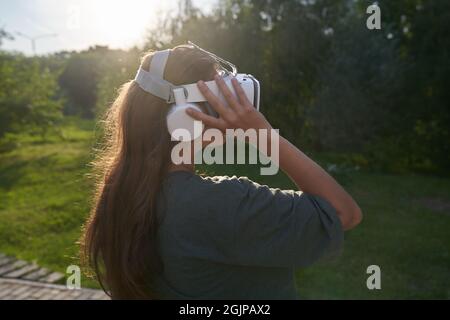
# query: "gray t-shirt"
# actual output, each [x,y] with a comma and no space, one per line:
[231,238]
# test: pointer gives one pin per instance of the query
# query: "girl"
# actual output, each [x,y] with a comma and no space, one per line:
[160,231]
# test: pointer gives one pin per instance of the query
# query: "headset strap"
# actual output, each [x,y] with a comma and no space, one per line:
[155,85]
[164,89]
[153,81]
[193,92]
[158,63]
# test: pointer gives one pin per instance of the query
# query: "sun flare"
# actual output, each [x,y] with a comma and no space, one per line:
[123,23]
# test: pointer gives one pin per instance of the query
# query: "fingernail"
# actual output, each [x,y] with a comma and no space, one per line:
[201,83]
[217,77]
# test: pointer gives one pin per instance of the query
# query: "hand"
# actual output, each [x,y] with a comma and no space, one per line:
[239,115]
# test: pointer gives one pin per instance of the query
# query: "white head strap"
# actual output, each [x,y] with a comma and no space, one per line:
[158,64]
[153,81]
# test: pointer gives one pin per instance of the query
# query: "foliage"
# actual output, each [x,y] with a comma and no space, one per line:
[331,84]
[125,66]
[79,82]
[27,92]
[4,35]
[91,78]
[328,83]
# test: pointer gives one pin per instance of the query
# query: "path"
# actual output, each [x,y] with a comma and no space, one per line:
[22,280]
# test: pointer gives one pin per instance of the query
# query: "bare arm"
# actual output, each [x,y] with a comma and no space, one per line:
[304,172]
[311,178]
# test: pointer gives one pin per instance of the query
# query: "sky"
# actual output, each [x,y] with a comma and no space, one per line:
[78,24]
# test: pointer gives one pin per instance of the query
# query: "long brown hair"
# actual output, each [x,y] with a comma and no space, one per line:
[119,241]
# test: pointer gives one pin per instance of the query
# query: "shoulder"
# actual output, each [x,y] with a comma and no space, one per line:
[229,182]
[204,190]
[244,197]
[239,187]
[224,193]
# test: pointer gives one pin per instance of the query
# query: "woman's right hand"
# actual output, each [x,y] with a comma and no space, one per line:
[304,172]
[240,114]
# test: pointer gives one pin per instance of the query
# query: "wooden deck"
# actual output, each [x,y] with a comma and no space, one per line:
[22,280]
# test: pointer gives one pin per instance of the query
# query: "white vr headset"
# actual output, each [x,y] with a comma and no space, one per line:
[188,95]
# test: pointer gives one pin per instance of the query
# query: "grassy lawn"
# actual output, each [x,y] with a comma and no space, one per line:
[44,199]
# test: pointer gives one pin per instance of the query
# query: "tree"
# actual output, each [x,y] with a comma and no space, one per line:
[27,96]
[79,83]
[328,82]
[4,35]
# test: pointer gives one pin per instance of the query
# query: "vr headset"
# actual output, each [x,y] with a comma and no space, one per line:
[179,98]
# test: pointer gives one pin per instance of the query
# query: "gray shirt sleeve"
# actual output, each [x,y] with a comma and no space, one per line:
[278,228]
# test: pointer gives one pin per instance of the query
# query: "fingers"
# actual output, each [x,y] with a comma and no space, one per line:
[212,99]
[207,120]
[240,93]
[229,96]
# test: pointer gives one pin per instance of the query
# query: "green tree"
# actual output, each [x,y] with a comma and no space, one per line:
[329,83]
[27,96]
[116,68]
[79,81]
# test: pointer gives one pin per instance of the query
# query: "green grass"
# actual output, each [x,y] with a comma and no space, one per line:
[44,199]
[407,239]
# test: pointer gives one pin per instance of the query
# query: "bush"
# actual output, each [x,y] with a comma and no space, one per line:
[27,96]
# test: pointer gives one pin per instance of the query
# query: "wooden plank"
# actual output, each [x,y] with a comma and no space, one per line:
[36,275]
[4,260]
[21,289]
[100,295]
[21,271]
[85,295]
[52,277]
[6,290]
[17,292]
[12,266]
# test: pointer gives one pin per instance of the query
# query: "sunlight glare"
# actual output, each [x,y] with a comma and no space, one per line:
[124,23]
